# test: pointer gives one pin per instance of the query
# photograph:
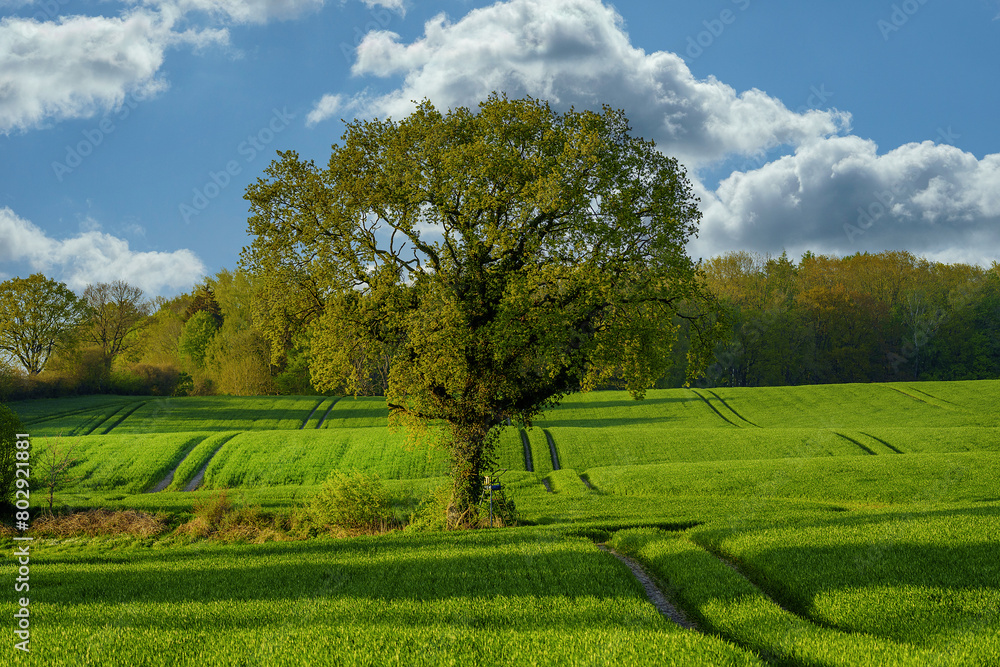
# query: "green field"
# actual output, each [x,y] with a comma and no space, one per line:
[823,525]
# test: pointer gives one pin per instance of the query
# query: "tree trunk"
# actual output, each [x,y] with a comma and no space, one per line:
[472,450]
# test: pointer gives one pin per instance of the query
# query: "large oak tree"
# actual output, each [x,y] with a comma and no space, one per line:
[499,260]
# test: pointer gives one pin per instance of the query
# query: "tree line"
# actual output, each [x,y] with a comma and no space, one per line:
[863,318]
[879,317]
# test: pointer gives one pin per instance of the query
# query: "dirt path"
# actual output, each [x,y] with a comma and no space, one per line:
[653,592]
[168,480]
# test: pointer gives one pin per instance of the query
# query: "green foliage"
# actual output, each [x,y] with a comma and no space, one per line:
[36,315]
[862,318]
[352,503]
[10,426]
[196,336]
[480,598]
[556,264]
[432,514]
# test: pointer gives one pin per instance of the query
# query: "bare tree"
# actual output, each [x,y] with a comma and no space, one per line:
[54,469]
[116,312]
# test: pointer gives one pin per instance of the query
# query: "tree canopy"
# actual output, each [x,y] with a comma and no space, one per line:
[494,261]
[35,314]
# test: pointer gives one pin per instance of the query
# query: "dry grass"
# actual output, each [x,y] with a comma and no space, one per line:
[99,522]
[218,518]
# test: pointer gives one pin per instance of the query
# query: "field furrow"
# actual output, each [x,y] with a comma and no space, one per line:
[863,448]
[125,415]
[819,525]
[715,410]
[326,413]
[730,409]
[552,449]
[311,413]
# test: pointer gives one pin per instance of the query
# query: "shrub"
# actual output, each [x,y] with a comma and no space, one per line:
[213,509]
[352,503]
[219,518]
[432,515]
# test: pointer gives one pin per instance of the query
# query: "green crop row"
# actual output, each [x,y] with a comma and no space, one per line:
[357,412]
[857,406]
[196,460]
[927,577]
[722,601]
[219,413]
[522,597]
[114,462]
[597,446]
[276,458]
[915,478]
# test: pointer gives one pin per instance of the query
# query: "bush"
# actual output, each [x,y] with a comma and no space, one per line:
[437,512]
[10,426]
[219,518]
[353,503]
[432,515]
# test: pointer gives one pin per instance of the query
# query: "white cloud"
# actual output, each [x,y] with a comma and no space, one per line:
[840,196]
[77,66]
[325,108]
[398,6]
[576,52]
[93,256]
[262,11]
[245,11]
[935,199]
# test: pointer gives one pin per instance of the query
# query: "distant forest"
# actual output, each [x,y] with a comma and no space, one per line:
[863,318]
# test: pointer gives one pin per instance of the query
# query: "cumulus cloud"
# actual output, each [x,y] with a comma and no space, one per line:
[94,256]
[824,190]
[262,11]
[840,196]
[398,6]
[576,52]
[76,66]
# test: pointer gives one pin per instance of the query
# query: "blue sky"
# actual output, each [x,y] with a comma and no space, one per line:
[129,130]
